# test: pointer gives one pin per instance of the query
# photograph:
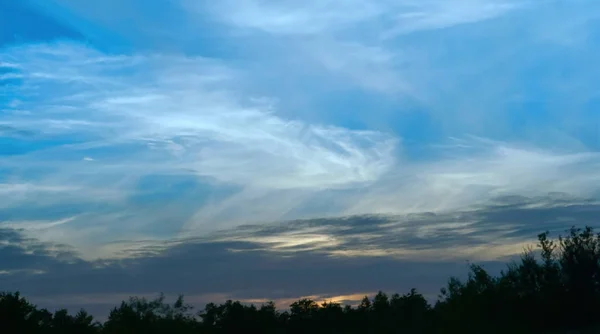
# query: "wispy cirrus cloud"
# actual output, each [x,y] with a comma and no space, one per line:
[175,104]
[335,16]
[104,124]
[430,126]
[140,116]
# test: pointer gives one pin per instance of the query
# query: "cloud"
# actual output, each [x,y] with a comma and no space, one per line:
[166,115]
[34,225]
[322,258]
[287,17]
[335,16]
[146,116]
[350,40]
[389,139]
[461,177]
[475,171]
[428,15]
[182,104]
[498,229]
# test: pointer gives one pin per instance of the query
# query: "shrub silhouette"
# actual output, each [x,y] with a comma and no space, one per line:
[554,288]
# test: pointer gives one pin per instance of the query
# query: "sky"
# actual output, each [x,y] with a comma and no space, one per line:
[271,150]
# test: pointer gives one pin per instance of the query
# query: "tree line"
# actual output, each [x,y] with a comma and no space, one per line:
[553,288]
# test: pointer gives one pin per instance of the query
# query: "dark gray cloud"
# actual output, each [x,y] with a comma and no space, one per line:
[291,259]
[514,218]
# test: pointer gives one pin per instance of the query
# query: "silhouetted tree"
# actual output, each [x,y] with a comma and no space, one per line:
[17,315]
[139,315]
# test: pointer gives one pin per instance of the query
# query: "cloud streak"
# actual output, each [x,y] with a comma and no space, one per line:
[158,103]
[172,116]
[335,16]
[166,115]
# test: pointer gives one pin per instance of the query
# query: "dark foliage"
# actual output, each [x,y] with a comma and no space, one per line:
[557,291]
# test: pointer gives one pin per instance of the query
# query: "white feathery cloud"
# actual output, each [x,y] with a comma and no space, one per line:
[460,180]
[334,16]
[146,115]
[164,115]
[185,105]
[354,40]
[34,225]
[478,175]
[156,113]
[429,15]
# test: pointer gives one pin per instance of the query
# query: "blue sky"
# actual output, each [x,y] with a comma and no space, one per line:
[136,129]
